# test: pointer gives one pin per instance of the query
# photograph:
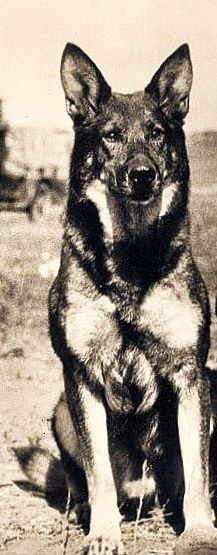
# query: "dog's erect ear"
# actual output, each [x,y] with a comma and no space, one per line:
[171,84]
[83,84]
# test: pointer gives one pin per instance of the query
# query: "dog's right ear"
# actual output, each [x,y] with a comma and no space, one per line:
[84,86]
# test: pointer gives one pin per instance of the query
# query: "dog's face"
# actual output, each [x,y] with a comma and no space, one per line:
[132,144]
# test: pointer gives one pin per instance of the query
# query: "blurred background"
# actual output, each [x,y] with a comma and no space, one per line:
[128,40]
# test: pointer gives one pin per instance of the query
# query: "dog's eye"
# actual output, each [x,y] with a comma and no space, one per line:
[157,134]
[111,136]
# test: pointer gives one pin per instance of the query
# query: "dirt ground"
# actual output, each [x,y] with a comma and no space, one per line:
[30,382]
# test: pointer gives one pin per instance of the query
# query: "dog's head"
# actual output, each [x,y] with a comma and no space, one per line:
[130,147]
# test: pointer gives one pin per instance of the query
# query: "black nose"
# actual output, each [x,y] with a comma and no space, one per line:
[142,180]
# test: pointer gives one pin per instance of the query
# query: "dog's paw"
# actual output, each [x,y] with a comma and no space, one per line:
[200,541]
[103,546]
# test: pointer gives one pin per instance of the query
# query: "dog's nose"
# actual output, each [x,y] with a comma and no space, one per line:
[142,180]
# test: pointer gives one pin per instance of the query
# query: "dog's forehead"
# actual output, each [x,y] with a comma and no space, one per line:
[127,109]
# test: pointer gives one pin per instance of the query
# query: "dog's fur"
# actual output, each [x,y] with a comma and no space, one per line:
[129,315]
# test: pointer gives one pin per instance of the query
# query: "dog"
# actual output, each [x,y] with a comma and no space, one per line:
[129,313]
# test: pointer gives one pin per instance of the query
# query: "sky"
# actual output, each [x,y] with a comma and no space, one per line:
[127,39]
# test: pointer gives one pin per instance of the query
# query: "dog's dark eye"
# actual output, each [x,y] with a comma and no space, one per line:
[157,135]
[111,136]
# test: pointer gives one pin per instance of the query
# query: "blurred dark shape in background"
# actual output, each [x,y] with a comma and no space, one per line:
[34,165]
[3,134]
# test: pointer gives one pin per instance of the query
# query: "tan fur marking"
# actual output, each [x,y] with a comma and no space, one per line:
[96,192]
[197,510]
[132,489]
[171,316]
[167,198]
[90,323]
[105,516]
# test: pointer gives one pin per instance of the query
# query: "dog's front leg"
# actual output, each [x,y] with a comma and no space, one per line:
[89,418]
[193,425]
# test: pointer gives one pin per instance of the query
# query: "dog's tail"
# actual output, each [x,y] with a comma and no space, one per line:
[44,471]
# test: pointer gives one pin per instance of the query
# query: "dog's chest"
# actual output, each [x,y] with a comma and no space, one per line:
[163,331]
[127,357]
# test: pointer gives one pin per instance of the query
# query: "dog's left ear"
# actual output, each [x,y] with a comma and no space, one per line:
[171,84]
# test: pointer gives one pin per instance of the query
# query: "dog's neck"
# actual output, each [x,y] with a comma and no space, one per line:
[148,260]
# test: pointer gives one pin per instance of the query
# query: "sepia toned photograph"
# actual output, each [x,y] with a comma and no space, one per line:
[108,277]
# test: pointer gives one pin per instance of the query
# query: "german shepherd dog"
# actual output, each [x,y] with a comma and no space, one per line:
[129,316]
